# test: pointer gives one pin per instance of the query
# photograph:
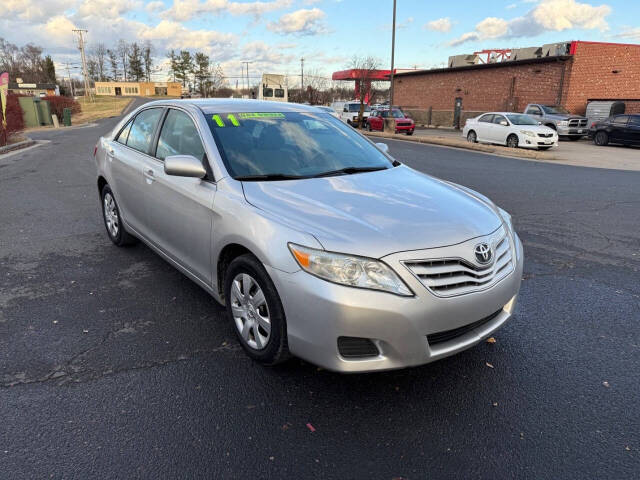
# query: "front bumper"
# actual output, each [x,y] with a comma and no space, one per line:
[405,128]
[572,132]
[318,312]
[528,141]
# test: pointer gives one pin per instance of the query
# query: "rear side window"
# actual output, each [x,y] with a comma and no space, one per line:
[179,136]
[279,92]
[621,119]
[486,118]
[144,125]
[124,134]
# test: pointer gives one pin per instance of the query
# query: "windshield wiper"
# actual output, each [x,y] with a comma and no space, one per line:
[267,177]
[348,171]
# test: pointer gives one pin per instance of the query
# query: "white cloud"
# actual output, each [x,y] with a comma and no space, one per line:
[547,15]
[154,7]
[183,10]
[440,25]
[177,36]
[301,22]
[33,9]
[107,8]
[511,6]
[630,33]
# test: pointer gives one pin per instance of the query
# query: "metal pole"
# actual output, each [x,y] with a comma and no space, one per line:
[302,77]
[85,73]
[393,49]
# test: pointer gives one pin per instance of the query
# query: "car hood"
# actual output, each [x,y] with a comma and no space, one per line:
[566,116]
[377,213]
[535,128]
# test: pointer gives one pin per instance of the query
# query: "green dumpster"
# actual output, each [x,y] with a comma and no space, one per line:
[30,111]
[66,117]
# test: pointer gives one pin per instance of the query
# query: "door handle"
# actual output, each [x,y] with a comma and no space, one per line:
[110,152]
[148,174]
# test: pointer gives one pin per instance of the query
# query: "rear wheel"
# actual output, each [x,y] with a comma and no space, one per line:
[601,139]
[113,220]
[512,141]
[254,307]
[472,137]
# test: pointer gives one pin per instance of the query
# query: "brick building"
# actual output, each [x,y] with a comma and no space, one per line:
[172,89]
[587,71]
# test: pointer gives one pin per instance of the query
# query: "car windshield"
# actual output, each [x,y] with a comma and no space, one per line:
[280,146]
[553,110]
[355,107]
[520,119]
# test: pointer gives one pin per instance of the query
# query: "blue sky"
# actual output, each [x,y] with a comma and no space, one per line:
[276,33]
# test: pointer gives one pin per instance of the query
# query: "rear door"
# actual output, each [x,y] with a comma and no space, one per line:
[633,130]
[127,155]
[618,132]
[484,127]
[180,208]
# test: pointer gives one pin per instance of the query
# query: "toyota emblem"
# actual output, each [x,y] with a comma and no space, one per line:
[483,253]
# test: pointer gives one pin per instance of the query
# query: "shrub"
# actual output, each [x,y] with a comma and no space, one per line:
[14,116]
[59,103]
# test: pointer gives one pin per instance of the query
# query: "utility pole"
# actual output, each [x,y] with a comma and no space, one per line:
[248,81]
[302,77]
[393,50]
[85,73]
[70,82]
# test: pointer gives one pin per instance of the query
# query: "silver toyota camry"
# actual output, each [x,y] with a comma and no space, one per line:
[315,239]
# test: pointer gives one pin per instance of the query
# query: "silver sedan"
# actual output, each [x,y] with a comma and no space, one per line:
[316,240]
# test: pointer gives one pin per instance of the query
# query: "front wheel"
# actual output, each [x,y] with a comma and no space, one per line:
[544,148]
[369,127]
[512,141]
[601,139]
[409,133]
[472,137]
[254,307]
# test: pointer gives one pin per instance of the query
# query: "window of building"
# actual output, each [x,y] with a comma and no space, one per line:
[179,136]
[267,92]
[279,92]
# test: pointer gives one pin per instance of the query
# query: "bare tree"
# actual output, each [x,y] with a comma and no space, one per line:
[147,58]
[123,53]
[9,58]
[113,62]
[99,56]
[364,68]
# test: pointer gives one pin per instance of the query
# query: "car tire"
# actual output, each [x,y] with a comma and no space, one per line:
[245,312]
[369,129]
[409,134]
[601,139]
[575,139]
[113,219]
[472,137]
[512,141]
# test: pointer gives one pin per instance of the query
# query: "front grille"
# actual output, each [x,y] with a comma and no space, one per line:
[403,124]
[356,347]
[545,135]
[578,122]
[456,276]
[447,335]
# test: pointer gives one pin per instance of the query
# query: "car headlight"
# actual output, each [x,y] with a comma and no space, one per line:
[506,218]
[563,123]
[349,270]
[528,132]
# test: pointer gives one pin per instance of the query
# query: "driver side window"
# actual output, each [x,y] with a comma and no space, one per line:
[179,136]
[500,120]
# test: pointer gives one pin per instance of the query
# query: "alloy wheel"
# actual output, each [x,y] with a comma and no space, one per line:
[111,215]
[250,311]
[512,141]
[471,137]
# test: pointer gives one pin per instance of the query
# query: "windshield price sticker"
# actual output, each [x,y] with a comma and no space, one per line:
[232,119]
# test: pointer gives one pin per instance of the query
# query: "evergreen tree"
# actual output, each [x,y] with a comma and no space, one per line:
[49,70]
[136,69]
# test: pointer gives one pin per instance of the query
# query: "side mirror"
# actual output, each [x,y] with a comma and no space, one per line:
[539,123]
[184,166]
[383,146]
[504,123]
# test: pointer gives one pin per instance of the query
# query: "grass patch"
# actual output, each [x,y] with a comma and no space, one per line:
[100,107]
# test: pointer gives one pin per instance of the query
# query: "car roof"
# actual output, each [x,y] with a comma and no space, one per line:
[234,105]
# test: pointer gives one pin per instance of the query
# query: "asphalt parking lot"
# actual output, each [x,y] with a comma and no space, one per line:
[114,365]
[582,153]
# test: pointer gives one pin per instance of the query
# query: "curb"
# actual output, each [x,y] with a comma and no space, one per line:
[17,146]
[449,142]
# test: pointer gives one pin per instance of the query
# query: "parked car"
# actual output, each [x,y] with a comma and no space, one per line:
[510,129]
[350,113]
[318,242]
[573,127]
[621,129]
[404,124]
[328,110]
